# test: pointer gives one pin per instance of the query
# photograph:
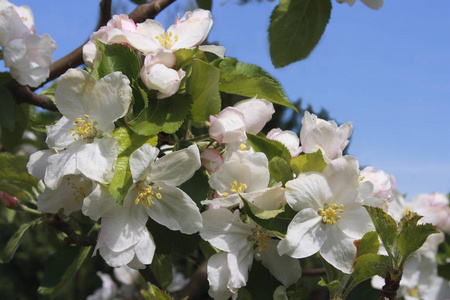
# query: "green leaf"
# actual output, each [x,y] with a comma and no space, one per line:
[50,91]
[280,293]
[369,244]
[332,286]
[386,228]
[11,139]
[296,27]
[60,268]
[204,4]
[308,162]
[162,269]
[203,87]
[154,293]
[411,238]
[7,109]
[249,80]
[128,143]
[14,177]
[276,221]
[270,148]
[279,170]
[244,294]
[197,187]
[164,115]
[5,77]
[184,57]
[116,57]
[409,220]
[14,242]
[368,266]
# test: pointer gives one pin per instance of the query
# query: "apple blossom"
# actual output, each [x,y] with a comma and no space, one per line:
[228,127]
[318,134]
[241,242]
[81,139]
[257,112]
[381,182]
[330,215]
[124,239]
[287,138]
[26,54]
[157,74]
[108,289]
[8,200]
[212,160]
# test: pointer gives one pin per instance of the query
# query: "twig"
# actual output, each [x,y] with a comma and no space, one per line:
[314,272]
[197,284]
[23,94]
[72,237]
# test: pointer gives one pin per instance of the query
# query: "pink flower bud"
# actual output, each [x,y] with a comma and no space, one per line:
[228,127]
[212,160]
[382,188]
[8,200]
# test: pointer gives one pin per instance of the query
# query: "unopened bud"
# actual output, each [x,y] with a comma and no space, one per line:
[8,200]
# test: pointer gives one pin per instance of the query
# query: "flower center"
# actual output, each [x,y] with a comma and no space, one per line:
[147,195]
[330,213]
[236,188]
[78,191]
[259,238]
[83,128]
[167,39]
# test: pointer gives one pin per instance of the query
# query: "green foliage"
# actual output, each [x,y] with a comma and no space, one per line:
[128,143]
[202,85]
[197,187]
[11,139]
[50,91]
[276,221]
[184,57]
[280,170]
[60,269]
[163,115]
[332,286]
[14,242]
[308,162]
[271,148]
[369,244]
[154,293]
[116,57]
[296,27]
[161,267]
[249,80]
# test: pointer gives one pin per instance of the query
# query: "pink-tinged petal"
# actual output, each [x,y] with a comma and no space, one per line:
[212,160]
[257,112]
[287,138]
[228,127]
[308,190]
[175,210]
[339,250]
[224,230]
[192,29]
[305,235]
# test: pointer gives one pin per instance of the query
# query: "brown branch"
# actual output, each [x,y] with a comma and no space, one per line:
[23,94]
[149,276]
[314,272]
[72,236]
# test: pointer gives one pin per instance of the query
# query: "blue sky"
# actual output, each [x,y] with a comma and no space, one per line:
[386,71]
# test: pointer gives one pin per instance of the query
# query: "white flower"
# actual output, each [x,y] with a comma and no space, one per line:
[26,54]
[330,214]
[287,138]
[229,272]
[124,239]
[381,183]
[107,291]
[257,112]
[157,74]
[228,127]
[81,137]
[325,135]
[373,4]
[212,160]
[24,12]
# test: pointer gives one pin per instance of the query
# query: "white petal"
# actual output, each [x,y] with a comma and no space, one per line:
[100,203]
[176,167]
[141,161]
[150,29]
[224,230]
[192,29]
[59,136]
[257,112]
[355,222]
[373,4]
[96,160]
[339,250]
[115,259]
[305,235]
[239,264]
[218,276]
[145,248]
[308,190]
[37,163]
[175,210]
[342,175]
[284,268]
[73,93]
[217,50]
[110,99]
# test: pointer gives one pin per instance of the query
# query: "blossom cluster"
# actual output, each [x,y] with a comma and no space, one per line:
[26,54]
[251,177]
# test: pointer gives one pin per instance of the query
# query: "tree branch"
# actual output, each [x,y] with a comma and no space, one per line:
[197,285]
[23,94]
[72,236]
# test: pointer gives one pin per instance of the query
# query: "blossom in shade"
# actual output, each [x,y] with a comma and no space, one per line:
[212,160]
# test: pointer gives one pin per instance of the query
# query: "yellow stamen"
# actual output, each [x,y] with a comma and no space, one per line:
[147,195]
[238,187]
[330,213]
[83,128]
[167,39]
[259,238]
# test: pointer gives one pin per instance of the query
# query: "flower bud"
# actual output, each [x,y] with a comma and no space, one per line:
[228,127]
[257,112]
[212,160]
[8,200]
